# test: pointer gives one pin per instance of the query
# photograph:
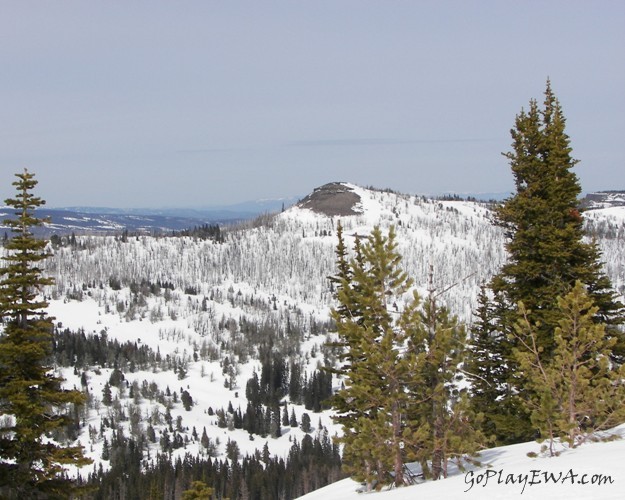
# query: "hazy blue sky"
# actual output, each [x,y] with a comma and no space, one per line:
[195,103]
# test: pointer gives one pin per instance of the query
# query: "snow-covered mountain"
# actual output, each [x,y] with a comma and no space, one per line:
[189,315]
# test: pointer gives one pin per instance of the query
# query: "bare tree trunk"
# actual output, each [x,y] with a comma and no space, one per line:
[398,462]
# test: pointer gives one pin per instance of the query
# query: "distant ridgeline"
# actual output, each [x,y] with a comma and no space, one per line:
[66,222]
[604,199]
[332,199]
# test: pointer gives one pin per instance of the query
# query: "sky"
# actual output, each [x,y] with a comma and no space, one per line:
[204,103]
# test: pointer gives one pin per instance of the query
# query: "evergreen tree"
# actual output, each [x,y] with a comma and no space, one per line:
[293,419]
[372,362]
[486,368]
[187,400]
[305,425]
[577,390]
[107,396]
[547,254]
[198,491]
[32,401]
[547,251]
[440,426]
[400,364]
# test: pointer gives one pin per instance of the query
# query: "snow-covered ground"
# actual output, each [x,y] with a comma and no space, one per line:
[204,381]
[276,274]
[591,471]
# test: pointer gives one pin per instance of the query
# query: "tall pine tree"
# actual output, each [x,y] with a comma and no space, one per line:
[547,254]
[370,406]
[32,401]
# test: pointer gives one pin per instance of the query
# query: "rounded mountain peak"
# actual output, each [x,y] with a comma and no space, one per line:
[333,199]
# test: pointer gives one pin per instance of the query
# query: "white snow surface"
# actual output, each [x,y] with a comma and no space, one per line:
[175,338]
[591,471]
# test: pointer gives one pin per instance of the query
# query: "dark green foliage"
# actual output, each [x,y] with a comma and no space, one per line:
[318,390]
[204,232]
[486,367]
[187,400]
[293,419]
[273,383]
[547,252]
[305,425]
[82,350]
[32,401]
[547,255]
[232,450]
[311,464]
[107,396]
[295,383]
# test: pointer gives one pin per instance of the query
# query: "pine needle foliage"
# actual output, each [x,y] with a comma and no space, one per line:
[576,391]
[547,254]
[198,491]
[400,365]
[33,403]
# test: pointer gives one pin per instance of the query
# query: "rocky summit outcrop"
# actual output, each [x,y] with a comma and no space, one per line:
[332,199]
[604,199]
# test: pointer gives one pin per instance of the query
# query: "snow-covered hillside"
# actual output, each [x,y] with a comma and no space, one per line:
[191,316]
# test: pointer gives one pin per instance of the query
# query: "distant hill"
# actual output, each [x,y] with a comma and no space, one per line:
[106,220]
[64,221]
[604,199]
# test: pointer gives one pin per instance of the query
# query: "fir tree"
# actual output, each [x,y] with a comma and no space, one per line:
[547,251]
[32,401]
[372,363]
[486,368]
[440,425]
[305,425]
[293,419]
[547,254]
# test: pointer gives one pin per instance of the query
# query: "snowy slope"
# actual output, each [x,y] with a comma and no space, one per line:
[508,473]
[204,381]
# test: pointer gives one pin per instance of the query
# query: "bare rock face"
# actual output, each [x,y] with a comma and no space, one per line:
[603,199]
[333,199]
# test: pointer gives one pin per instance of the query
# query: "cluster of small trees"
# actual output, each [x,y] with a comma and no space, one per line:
[400,359]
[544,357]
[312,463]
[204,232]
[277,381]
